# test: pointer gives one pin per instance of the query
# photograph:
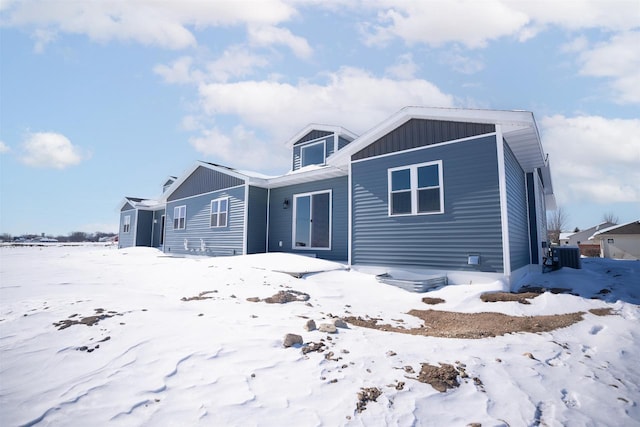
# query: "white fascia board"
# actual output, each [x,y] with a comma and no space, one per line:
[316,174]
[338,130]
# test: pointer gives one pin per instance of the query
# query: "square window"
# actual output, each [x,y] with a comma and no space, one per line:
[313,154]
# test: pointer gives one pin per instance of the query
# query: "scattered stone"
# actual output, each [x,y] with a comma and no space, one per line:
[400,385]
[201,314]
[529,355]
[292,339]
[333,381]
[474,425]
[253,299]
[310,325]
[339,323]
[327,328]
[521,297]
[441,377]
[365,395]
[391,353]
[253,316]
[329,356]
[344,351]
[409,369]
[232,296]
[498,360]
[88,321]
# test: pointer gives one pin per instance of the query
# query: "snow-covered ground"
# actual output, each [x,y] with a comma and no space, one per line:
[156,357]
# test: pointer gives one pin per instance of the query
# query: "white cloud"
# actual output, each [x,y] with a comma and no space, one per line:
[271,35]
[277,110]
[475,23]
[161,23]
[578,44]
[236,61]
[4,148]
[241,148]
[404,68]
[618,59]
[593,158]
[50,150]
[462,63]
[349,97]
[178,72]
[472,23]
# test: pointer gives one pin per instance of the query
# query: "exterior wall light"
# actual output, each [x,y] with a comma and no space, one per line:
[285,204]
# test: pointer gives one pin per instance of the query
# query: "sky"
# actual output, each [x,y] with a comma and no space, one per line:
[101,100]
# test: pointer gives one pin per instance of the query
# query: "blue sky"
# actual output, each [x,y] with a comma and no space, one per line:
[101,100]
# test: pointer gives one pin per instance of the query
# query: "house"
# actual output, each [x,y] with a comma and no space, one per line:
[460,191]
[619,241]
[581,239]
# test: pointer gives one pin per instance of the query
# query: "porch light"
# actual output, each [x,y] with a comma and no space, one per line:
[285,204]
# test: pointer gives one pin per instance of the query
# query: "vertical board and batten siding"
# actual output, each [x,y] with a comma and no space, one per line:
[218,241]
[281,225]
[314,134]
[421,132]
[144,228]
[157,228]
[127,240]
[257,220]
[517,215]
[204,180]
[126,207]
[297,150]
[470,224]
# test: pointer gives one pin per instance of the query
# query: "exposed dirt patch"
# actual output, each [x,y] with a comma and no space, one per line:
[283,297]
[521,297]
[602,311]
[448,324]
[88,320]
[366,395]
[199,297]
[432,301]
[441,377]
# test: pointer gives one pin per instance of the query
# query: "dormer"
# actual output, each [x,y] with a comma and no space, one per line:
[167,183]
[315,143]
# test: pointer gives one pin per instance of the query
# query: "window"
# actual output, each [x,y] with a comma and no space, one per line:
[313,154]
[179,217]
[126,224]
[416,189]
[219,212]
[312,220]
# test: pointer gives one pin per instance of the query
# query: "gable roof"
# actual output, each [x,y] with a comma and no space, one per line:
[632,227]
[518,128]
[140,203]
[339,130]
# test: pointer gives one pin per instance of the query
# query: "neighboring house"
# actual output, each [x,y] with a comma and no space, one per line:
[619,241]
[455,190]
[582,237]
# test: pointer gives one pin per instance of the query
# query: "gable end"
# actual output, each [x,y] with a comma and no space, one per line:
[204,180]
[420,132]
[314,134]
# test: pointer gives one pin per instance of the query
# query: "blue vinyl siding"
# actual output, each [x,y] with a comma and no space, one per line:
[280,219]
[217,241]
[470,224]
[144,228]
[204,180]
[257,220]
[126,240]
[126,207]
[516,211]
[157,227]
[342,142]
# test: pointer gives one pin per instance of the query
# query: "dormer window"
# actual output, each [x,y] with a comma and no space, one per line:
[313,154]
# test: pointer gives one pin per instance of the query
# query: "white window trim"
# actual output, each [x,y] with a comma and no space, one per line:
[293,222]
[305,146]
[176,215]
[219,199]
[413,187]
[126,224]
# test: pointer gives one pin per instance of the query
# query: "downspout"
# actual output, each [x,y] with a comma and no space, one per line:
[266,243]
[349,220]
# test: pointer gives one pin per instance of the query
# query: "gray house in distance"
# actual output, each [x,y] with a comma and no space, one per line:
[433,189]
